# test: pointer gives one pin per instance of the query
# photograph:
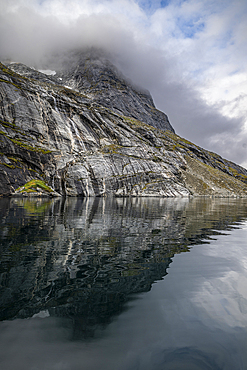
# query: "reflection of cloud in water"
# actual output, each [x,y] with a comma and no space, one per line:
[116,248]
[187,358]
[227,257]
[45,344]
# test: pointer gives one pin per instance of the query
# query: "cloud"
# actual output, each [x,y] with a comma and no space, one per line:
[190,54]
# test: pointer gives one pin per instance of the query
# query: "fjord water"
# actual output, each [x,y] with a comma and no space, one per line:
[123,284]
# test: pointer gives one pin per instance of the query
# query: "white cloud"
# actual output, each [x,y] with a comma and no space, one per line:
[210,59]
[190,54]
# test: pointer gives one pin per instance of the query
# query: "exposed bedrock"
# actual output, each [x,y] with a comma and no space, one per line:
[87,131]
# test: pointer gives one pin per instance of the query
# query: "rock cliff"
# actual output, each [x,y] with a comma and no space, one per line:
[86,130]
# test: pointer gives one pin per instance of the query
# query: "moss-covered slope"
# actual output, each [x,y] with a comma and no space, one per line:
[81,145]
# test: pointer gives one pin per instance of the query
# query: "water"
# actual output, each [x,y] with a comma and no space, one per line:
[123,284]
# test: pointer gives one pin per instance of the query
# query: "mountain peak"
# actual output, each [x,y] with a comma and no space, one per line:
[91,73]
[84,129]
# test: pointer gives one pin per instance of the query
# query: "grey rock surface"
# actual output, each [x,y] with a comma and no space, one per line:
[87,131]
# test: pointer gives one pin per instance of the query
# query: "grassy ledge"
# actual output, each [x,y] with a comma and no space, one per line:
[34,186]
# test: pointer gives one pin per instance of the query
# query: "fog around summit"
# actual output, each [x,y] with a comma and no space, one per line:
[191,55]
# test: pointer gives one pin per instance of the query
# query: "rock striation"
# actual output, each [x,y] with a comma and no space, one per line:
[87,131]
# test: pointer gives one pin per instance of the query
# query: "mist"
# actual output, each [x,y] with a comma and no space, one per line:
[143,43]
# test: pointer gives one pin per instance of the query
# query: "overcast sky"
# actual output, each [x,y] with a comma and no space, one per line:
[191,55]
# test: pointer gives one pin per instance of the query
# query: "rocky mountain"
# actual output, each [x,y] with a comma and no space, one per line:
[86,130]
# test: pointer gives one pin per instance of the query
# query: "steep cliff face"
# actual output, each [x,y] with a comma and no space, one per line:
[87,131]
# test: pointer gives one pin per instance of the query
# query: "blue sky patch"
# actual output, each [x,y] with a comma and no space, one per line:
[164,3]
[190,27]
[152,5]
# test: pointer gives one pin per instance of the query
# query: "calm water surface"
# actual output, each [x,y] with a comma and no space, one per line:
[123,284]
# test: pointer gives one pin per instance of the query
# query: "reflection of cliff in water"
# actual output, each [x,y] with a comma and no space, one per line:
[82,259]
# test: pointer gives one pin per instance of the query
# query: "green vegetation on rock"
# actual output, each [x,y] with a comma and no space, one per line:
[110,141]
[34,186]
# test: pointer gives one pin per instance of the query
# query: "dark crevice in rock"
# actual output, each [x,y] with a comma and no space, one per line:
[103,135]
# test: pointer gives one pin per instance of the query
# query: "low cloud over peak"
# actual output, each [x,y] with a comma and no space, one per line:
[191,55]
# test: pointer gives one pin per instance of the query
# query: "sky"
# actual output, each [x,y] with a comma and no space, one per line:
[190,54]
